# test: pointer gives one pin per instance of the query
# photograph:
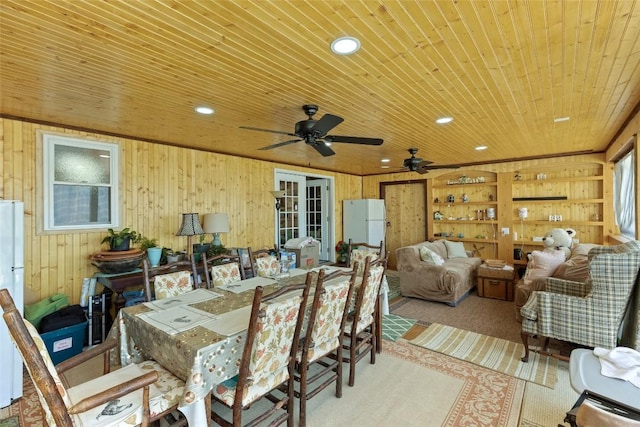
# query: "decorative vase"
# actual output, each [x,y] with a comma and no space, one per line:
[154,255]
[342,258]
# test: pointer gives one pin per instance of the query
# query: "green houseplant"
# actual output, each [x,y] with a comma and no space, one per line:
[121,240]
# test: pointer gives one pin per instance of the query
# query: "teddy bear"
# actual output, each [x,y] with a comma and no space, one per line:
[559,239]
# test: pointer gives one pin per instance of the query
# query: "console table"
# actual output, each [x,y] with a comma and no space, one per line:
[118,283]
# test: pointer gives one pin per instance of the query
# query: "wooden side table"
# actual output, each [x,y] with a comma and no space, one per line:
[496,282]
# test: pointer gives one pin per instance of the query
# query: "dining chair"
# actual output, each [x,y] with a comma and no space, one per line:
[359,252]
[267,359]
[138,393]
[265,262]
[169,280]
[361,334]
[221,270]
[321,345]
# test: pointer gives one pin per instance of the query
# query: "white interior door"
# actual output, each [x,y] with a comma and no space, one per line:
[318,225]
[307,209]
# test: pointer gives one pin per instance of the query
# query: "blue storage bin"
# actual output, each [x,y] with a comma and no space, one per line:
[66,342]
[134,297]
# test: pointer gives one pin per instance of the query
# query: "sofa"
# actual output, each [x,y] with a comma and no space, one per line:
[574,269]
[437,271]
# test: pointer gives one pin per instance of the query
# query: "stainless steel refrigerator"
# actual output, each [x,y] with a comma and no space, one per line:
[363,220]
[12,278]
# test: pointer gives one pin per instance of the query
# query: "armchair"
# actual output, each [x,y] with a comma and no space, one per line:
[590,313]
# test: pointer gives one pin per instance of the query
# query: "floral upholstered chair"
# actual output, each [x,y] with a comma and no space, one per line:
[360,328]
[322,343]
[590,313]
[114,399]
[267,360]
[169,280]
[265,264]
[359,252]
[222,270]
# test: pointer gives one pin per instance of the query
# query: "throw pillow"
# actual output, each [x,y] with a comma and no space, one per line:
[543,264]
[455,249]
[427,255]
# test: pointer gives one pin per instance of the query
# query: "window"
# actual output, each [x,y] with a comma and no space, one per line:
[80,188]
[623,195]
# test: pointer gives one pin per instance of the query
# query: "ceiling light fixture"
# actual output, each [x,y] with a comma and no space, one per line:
[385,160]
[205,110]
[561,119]
[481,147]
[444,120]
[345,45]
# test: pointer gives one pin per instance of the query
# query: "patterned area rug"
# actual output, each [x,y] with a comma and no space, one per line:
[493,353]
[393,327]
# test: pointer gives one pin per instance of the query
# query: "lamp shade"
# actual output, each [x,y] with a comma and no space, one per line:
[190,225]
[278,194]
[216,223]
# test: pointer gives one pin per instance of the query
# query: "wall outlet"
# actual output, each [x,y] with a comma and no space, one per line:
[505,231]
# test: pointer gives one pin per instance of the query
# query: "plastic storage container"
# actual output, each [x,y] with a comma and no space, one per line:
[66,342]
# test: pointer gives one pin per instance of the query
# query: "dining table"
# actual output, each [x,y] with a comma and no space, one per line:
[198,336]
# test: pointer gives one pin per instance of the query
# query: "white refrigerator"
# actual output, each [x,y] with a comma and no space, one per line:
[12,278]
[364,220]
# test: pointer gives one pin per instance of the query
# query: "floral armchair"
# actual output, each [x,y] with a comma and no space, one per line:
[591,313]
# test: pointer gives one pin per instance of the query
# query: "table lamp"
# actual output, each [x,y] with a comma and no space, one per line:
[215,224]
[190,227]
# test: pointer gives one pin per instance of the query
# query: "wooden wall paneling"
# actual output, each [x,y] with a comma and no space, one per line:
[505,216]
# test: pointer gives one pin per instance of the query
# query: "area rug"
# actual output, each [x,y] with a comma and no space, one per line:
[489,352]
[411,386]
[393,327]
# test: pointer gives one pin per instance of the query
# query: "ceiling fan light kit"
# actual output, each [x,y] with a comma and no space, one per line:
[314,133]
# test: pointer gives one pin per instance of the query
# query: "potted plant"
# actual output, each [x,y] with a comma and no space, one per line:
[341,251]
[154,253]
[121,240]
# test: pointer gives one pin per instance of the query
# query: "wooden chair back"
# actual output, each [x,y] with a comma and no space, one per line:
[222,269]
[169,272]
[262,268]
[357,252]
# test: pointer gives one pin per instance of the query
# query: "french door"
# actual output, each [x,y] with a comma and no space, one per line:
[305,210]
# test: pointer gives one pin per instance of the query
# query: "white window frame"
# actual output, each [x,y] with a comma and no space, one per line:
[49,142]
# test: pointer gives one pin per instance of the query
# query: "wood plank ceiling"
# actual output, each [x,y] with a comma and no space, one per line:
[503,70]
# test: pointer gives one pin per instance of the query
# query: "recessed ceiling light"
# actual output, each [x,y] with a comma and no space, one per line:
[385,160]
[444,120]
[205,110]
[481,147]
[345,45]
[561,119]
[384,167]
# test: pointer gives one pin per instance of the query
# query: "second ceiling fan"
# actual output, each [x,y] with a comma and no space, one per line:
[314,133]
[416,164]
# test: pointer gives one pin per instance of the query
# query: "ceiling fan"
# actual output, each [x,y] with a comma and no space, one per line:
[416,164]
[314,133]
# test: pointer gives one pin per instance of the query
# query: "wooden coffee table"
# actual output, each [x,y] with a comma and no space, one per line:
[496,283]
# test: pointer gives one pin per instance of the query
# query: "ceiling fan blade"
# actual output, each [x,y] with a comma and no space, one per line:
[424,163]
[325,124]
[353,140]
[444,167]
[323,149]
[268,130]
[422,169]
[279,144]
